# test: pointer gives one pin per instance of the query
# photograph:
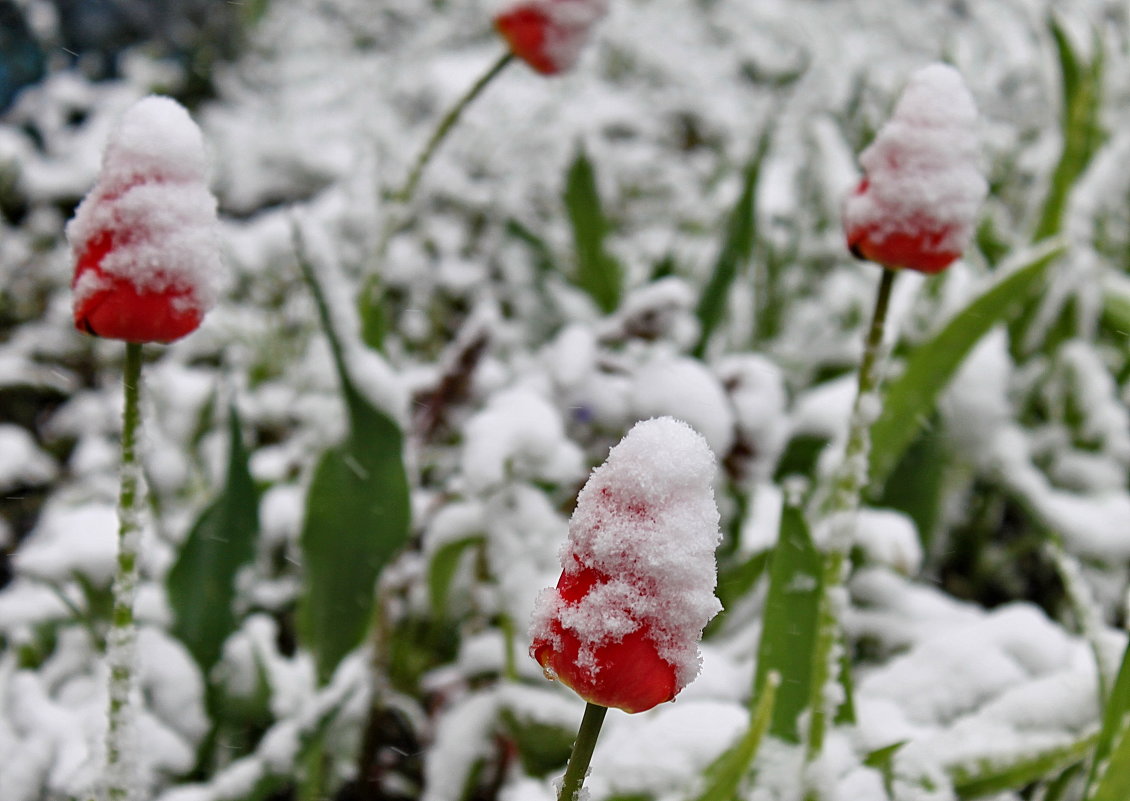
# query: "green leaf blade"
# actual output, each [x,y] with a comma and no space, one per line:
[789,630]
[598,273]
[1109,779]
[910,400]
[992,777]
[1082,133]
[358,513]
[441,571]
[357,519]
[736,250]
[201,584]
[724,776]
[1114,785]
[1116,311]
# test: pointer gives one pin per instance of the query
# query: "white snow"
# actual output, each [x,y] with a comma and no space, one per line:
[756,387]
[824,410]
[954,673]
[524,532]
[896,613]
[591,386]
[655,753]
[889,538]
[22,462]
[646,521]
[1091,392]
[519,434]
[760,528]
[662,310]
[1092,525]
[682,387]
[976,403]
[462,738]
[79,540]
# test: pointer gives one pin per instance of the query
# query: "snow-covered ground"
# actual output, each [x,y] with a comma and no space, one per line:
[975,628]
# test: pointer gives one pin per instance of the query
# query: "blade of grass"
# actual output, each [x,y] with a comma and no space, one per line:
[1081,131]
[1116,311]
[1109,778]
[789,628]
[357,514]
[725,774]
[910,400]
[736,250]
[1114,783]
[201,584]
[993,777]
[1082,134]
[598,273]
[883,760]
[919,483]
[441,570]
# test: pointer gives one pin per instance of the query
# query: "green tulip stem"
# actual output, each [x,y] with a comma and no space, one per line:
[121,643]
[579,760]
[450,119]
[847,488]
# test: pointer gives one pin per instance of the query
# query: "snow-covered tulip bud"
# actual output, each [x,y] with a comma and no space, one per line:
[917,204]
[622,626]
[548,34]
[145,241]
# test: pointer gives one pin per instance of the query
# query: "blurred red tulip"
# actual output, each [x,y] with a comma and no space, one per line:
[549,34]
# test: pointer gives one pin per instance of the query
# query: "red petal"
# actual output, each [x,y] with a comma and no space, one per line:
[118,310]
[922,250]
[630,674]
[525,31]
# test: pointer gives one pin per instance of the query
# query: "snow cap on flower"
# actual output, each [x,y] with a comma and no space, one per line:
[917,203]
[548,34]
[145,242]
[622,626]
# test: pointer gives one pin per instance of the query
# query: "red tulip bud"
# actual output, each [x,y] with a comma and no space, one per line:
[144,238]
[549,34]
[622,626]
[917,203]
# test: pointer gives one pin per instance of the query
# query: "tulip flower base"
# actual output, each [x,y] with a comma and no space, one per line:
[642,677]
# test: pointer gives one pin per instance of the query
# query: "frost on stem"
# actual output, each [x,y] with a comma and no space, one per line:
[147,255]
[622,626]
[121,641]
[917,203]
